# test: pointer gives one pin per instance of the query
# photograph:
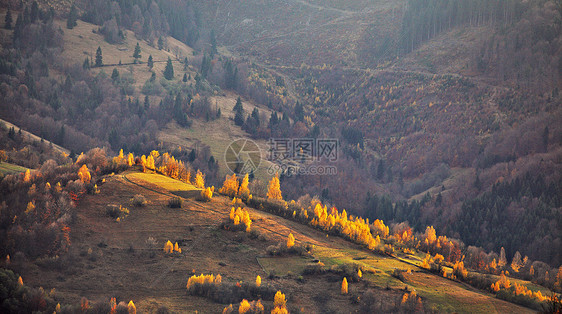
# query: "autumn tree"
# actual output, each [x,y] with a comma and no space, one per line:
[290,241]
[84,174]
[516,262]
[132,308]
[27,176]
[274,188]
[169,70]
[230,186]
[244,191]
[279,300]
[207,194]
[168,247]
[99,57]
[344,286]
[503,260]
[199,180]
[258,281]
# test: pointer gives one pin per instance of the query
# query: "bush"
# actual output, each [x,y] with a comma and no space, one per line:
[139,200]
[175,202]
[207,194]
[117,213]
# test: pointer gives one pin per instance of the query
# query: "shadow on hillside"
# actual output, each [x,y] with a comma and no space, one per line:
[187,194]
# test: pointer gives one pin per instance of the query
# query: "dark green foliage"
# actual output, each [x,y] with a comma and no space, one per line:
[424,19]
[226,293]
[213,41]
[206,66]
[21,299]
[137,52]
[8,20]
[99,57]
[230,74]
[169,70]
[160,43]
[238,112]
[115,75]
[299,112]
[72,18]
[184,77]
[509,204]
[175,202]
[352,135]
[150,62]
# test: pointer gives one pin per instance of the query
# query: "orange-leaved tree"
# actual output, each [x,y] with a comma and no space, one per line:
[132,309]
[344,286]
[274,188]
[290,241]
[230,186]
[199,180]
[84,174]
[258,281]
[244,191]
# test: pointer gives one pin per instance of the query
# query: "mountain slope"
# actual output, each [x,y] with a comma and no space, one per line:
[114,259]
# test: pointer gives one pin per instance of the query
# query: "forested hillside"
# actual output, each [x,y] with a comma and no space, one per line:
[447,113]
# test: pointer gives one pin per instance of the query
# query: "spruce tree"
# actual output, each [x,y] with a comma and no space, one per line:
[72,18]
[8,20]
[238,112]
[160,43]
[185,77]
[99,57]
[169,70]
[115,74]
[150,62]
[137,53]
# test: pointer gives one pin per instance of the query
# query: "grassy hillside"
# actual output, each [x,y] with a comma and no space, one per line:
[118,259]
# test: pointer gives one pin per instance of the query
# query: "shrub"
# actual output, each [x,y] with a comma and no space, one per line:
[175,202]
[117,213]
[139,200]
[239,219]
[207,194]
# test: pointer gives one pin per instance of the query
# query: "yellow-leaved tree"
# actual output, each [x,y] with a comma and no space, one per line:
[199,180]
[244,191]
[207,194]
[258,281]
[230,186]
[168,247]
[132,309]
[84,174]
[344,286]
[274,188]
[130,159]
[279,300]
[290,241]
